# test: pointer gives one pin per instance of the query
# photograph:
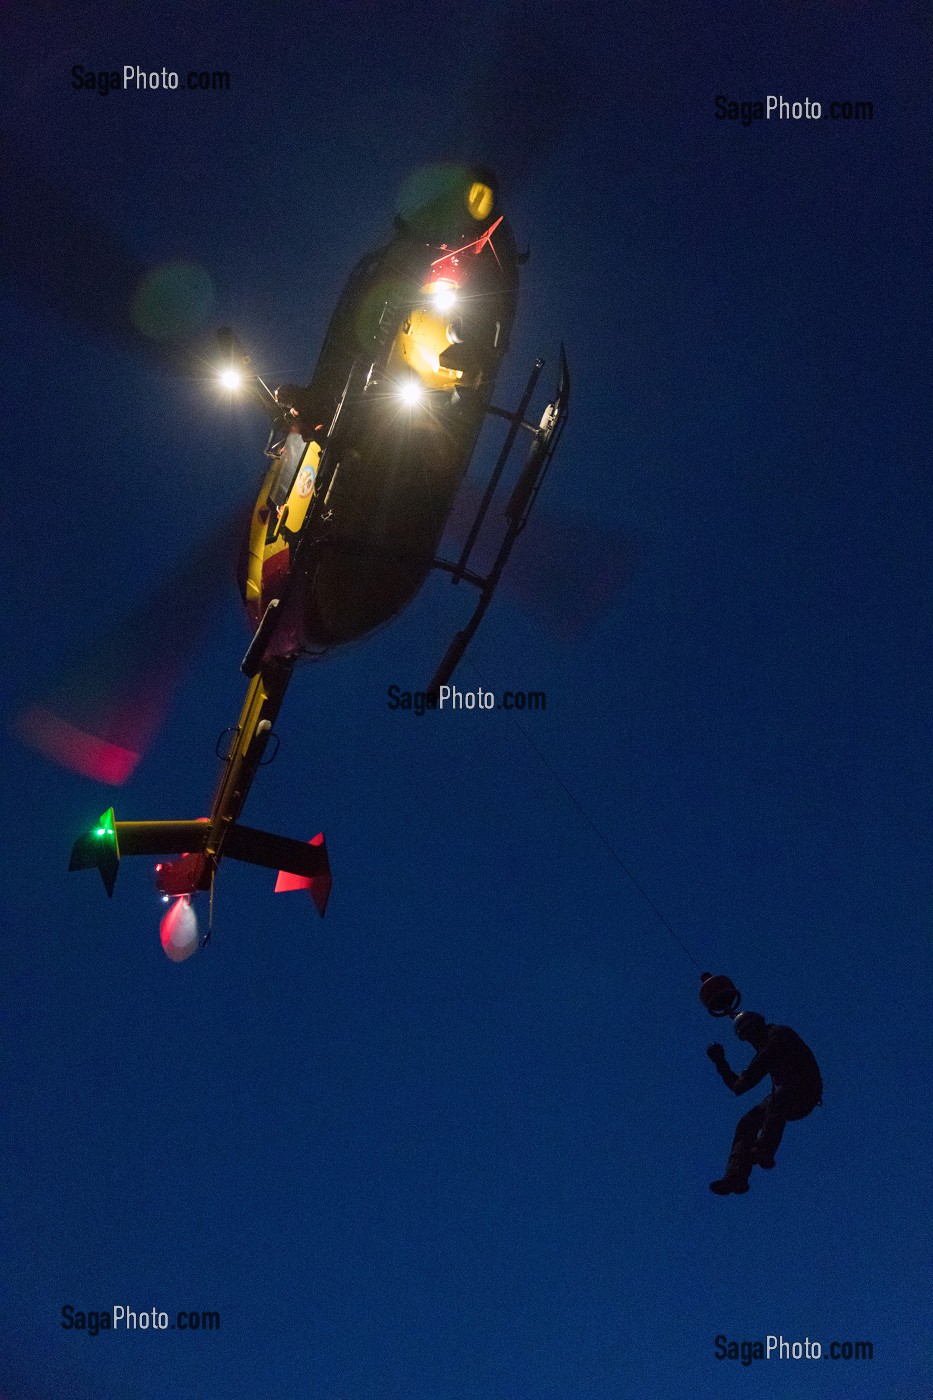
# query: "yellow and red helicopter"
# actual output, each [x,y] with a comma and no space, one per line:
[364,466]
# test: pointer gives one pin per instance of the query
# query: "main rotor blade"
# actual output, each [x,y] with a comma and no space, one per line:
[101,713]
[565,571]
[529,79]
[568,572]
[54,250]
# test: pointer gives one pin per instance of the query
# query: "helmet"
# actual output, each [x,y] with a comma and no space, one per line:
[749,1024]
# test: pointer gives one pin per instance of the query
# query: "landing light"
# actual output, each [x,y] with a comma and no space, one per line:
[410,393]
[443,293]
[231,379]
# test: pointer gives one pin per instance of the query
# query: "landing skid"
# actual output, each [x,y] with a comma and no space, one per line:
[545,438]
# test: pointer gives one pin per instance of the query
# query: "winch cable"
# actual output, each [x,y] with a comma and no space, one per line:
[542,758]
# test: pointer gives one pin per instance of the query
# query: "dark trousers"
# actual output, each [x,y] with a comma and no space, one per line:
[764,1125]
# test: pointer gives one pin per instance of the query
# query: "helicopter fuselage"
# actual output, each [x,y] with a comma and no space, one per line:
[359,489]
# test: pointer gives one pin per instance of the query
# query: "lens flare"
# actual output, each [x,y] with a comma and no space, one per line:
[173,300]
[231,379]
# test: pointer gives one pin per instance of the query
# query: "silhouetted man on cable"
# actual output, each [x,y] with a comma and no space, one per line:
[797,1089]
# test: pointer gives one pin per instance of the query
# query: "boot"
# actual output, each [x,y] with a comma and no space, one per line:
[732,1184]
[738,1169]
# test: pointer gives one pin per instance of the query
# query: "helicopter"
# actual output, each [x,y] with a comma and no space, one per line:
[364,467]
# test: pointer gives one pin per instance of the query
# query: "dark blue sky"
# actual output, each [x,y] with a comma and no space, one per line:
[453,1143]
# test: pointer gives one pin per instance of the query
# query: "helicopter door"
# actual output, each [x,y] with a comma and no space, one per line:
[290,459]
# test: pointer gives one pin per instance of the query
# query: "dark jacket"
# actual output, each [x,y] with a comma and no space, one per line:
[789,1061]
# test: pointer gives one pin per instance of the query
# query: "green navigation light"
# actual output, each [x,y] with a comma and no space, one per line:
[99,846]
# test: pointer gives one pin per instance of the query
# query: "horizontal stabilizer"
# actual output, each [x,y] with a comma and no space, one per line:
[318,886]
[162,838]
[302,865]
[104,844]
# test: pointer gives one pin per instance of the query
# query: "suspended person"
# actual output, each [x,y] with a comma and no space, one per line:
[796,1090]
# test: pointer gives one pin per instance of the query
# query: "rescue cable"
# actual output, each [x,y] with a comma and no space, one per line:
[592,825]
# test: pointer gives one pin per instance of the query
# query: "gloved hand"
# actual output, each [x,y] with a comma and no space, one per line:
[716,1052]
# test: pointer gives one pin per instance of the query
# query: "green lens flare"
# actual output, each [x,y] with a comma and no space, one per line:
[173,300]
